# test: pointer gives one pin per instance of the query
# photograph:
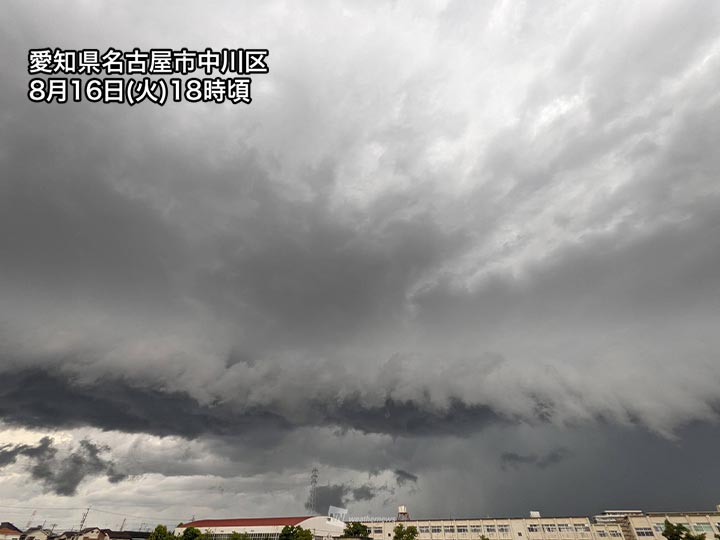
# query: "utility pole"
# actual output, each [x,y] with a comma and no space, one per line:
[30,520]
[82,521]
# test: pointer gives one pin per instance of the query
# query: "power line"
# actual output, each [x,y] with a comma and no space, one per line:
[45,507]
[94,509]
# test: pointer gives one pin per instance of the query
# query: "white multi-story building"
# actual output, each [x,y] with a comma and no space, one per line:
[611,524]
[322,527]
[532,528]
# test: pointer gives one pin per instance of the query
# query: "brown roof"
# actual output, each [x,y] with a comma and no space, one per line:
[246,522]
[5,530]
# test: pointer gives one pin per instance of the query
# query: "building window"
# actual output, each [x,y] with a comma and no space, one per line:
[462,529]
[563,527]
[449,528]
[436,529]
[580,527]
[702,527]
[490,529]
[424,529]
[476,528]
[602,534]
[377,530]
[550,528]
[644,531]
[615,533]
[533,528]
[504,529]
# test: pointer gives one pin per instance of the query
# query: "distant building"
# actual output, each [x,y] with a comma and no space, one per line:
[322,527]
[533,528]
[610,525]
[652,524]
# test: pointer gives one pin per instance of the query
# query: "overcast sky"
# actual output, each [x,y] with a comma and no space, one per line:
[463,256]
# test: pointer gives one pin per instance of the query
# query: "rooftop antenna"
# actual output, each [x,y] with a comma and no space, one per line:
[123,524]
[312,503]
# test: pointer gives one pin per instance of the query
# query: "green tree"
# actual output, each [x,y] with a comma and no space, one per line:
[680,532]
[161,533]
[291,532]
[191,533]
[405,533]
[356,530]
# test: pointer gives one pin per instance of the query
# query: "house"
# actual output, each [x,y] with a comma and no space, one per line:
[36,533]
[89,533]
[126,535]
[8,531]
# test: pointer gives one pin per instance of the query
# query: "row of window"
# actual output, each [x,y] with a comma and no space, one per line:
[614,533]
[504,529]
[253,536]
[560,527]
[658,528]
[463,529]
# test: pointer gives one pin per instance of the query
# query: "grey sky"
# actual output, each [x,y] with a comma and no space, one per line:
[463,256]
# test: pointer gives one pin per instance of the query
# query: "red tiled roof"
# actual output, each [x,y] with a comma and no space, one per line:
[246,522]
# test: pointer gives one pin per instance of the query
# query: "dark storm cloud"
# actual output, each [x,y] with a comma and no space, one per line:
[39,398]
[403,477]
[113,404]
[343,495]
[62,474]
[514,460]
[366,492]
[331,495]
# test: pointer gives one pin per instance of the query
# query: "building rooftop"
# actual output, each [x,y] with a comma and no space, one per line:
[246,522]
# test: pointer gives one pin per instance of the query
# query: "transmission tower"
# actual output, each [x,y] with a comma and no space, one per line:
[312,502]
